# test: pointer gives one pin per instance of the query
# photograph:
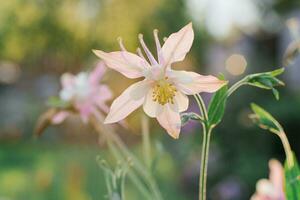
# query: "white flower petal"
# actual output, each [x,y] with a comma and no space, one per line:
[127,102]
[181,101]
[59,117]
[170,121]
[67,80]
[152,108]
[128,64]
[177,45]
[192,83]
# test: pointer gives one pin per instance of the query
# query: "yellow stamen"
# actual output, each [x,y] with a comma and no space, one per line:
[164,92]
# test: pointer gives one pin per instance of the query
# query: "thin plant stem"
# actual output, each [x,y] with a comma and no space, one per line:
[204,164]
[138,166]
[287,150]
[235,86]
[205,147]
[118,156]
[286,146]
[285,143]
[202,107]
[112,136]
[146,141]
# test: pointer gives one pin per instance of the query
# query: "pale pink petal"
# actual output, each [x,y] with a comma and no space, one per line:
[67,80]
[127,102]
[259,197]
[266,189]
[177,45]
[181,101]
[152,108]
[103,107]
[59,117]
[192,83]
[96,75]
[277,176]
[103,93]
[129,64]
[170,121]
[85,109]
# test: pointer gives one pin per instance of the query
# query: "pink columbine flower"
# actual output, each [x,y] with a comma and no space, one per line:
[272,188]
[163,92]
[85,93]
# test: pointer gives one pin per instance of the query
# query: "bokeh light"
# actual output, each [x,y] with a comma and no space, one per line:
[236,64]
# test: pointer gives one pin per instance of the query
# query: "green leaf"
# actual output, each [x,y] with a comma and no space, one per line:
[264,119]
[216,107]
[186,117]
[266,80]
[292,180]
[56,102]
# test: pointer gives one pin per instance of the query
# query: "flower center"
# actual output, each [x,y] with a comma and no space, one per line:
[164,92]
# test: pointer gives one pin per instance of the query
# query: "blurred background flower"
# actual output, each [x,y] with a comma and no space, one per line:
[42,39]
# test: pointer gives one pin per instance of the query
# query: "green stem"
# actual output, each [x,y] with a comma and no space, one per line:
[287,149]
[285,143]
[205,148]
[202,107]
[118,156]
[235,86]
[112,136]
[139,167]
[204,163]
[146,141]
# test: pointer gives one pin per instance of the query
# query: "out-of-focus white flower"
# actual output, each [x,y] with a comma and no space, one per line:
[85,93]
[272,188]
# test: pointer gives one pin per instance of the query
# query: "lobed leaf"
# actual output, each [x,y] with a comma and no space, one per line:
[266,80]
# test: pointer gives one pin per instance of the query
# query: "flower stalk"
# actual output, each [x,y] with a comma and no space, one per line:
[119,150]
[146,141]
[205,147]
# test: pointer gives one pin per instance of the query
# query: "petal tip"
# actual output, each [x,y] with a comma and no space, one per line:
[108,121]
[140,36]
[223,83]
[174,135]
[98,53]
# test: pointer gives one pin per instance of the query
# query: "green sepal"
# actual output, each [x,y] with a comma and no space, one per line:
[186,117]
[264,119]
[56,102]
[266,80]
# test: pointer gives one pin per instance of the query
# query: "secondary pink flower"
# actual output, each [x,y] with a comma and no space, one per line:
[163,92]
[85,93]
[272,188]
